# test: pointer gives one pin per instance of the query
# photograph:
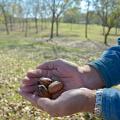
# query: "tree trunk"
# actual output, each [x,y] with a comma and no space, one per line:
[52,25]
[45,22]
[20,24]
[103,29]
[36,25]
[86,30]
[5,18]
[105,39]
[87,15]
[11,23]
[42,25]
[71,26]
[53,20]
[23,24]
[57,27]
[86,25]
[106,36]
[26,27]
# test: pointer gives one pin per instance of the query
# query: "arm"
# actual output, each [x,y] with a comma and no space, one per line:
[91,76]
[108,66]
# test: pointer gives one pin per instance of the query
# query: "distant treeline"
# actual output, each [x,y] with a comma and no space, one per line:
[17,14]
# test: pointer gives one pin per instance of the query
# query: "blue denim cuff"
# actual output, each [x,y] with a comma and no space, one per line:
[98,104]
[111,104]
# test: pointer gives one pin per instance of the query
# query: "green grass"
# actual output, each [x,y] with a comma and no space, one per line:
[19,54]
[77,31]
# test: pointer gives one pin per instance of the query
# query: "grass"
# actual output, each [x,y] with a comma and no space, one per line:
[19,54]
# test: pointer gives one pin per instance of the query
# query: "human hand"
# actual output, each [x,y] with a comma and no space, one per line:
[67,72]
[69,102]
[70,75]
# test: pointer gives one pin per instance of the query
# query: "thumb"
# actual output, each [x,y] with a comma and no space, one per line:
[44,103]
[49,106]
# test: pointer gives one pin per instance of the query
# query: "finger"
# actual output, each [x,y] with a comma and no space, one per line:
[36,73]
[30,97]
[29,89]
[30,81]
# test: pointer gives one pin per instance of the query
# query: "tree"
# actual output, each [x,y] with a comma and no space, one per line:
[57,8]
[62,7]
[102,12]
[108,12]
[2,6]
[72,15]
[13,9]
[88,2]
[27,12]
[113,19]
[36,7]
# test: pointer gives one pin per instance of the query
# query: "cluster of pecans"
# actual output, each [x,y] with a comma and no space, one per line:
[47,87]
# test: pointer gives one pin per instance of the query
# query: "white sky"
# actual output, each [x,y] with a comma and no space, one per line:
[83,6]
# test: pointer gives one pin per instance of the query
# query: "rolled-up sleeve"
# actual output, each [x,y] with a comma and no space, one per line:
[108,66]
[111,104]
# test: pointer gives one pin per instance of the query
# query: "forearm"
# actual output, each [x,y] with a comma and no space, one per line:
[108,66]
[103,71]
[91,78]
[90,105]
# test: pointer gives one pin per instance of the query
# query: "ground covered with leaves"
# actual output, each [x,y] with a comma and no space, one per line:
[18,56]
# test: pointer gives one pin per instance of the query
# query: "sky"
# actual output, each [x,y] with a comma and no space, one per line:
[83,6]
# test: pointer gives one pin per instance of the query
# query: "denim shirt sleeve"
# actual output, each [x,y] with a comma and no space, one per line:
[111,104]
[108,66]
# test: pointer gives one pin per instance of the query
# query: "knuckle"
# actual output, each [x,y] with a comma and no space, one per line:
[83,89]
[59,60]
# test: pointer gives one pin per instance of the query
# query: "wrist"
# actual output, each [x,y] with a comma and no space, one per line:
[91,78]
[90,101]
